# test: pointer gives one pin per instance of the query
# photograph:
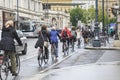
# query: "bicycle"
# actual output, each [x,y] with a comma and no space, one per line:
[42,57]
[79,43]
[72,43]
[65,48]
[5,67]
[53,52]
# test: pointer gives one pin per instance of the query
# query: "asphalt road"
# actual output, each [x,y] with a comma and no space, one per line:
[29,64]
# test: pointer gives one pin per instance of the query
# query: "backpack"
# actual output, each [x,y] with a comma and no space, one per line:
[73,33]
[64,34]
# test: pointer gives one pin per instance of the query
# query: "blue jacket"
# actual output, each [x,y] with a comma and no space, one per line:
[53,35]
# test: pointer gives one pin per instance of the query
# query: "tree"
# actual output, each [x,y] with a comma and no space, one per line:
[82,14]
[75,15]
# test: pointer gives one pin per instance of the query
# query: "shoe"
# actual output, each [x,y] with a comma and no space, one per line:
[14,74]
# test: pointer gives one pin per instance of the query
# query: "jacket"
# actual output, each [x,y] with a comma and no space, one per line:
[68,33]
[53,36]
[43,36]
[7,39]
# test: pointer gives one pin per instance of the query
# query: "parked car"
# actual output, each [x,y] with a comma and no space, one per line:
[23,38]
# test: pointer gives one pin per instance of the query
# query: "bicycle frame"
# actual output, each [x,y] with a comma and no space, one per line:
[72,43]
[6,68]
[42,57]
[65,48]
[53,51]
[79,42]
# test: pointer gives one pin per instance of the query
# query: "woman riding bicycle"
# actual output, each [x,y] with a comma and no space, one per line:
[43,40]
[8,45]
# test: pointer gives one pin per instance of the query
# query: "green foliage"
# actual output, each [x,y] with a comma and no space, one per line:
[83,15]
[87,16]
[75,15]
[112,20]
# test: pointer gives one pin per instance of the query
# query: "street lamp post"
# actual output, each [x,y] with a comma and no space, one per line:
[103,29]
[96,41]
[17,14]
[115,10]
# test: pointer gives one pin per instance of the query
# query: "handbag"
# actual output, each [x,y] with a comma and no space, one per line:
[45,42]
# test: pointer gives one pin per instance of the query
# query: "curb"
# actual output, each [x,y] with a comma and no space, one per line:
[50,67]
[103,48]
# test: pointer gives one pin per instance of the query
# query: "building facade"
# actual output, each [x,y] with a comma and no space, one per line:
[87,3]
[25,9]
[56,12]
[108,4]
[56,5]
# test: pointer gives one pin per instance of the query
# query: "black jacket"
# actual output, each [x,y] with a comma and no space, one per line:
[40,41]
[7,39]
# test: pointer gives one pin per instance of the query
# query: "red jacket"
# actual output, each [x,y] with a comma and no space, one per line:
[67,31]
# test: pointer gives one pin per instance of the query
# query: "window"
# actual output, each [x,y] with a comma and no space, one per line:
[32,5]
[11,3]
[28,4]
[39,7]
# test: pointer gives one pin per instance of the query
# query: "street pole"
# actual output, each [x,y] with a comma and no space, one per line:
[96,41]
[103,29]
[96,21]
[107,27]
[17,13]
[116,31]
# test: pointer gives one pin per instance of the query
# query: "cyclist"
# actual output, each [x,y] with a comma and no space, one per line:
[8,45]
[79,36]
[53,38]
[73,35]
[65,36]
[43,40]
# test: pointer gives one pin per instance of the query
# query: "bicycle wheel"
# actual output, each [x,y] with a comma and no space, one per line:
[53,53]
[40,58]
[66,49]
[72,45]
[79,42]
[45,56]
[4,71]
[17,63]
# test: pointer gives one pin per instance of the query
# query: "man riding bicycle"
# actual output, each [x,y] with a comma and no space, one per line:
[65,36]
[53,38]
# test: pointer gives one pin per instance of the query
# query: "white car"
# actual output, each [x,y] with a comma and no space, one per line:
[23,48]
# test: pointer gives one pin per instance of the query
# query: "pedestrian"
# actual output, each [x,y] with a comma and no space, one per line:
[8,45]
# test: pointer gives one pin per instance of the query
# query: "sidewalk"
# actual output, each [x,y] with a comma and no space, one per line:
[99,71]
[109,46]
